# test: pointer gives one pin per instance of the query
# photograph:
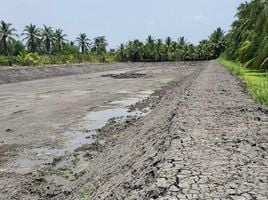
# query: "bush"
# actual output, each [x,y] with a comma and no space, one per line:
[27,59]
[6,61]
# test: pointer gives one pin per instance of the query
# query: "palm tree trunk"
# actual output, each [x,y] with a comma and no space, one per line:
[83,48]
[32,47]
[48,46]
[5,46]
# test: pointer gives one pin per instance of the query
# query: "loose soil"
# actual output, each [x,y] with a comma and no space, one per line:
[182,131]
[124,75]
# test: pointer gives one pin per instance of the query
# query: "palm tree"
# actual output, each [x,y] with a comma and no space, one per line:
[83,42]
[217,35]
[59,38]
[168,41]
[121,52]
[248,39]
[6,36]
[217,41]
[99,45]
[182,41]
[32,37]
[150,40]
[47,37]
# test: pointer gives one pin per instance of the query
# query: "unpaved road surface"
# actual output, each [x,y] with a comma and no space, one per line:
[198,136]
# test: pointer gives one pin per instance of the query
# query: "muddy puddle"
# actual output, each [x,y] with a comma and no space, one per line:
[72,158]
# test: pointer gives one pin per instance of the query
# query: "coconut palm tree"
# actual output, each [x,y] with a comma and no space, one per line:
[59,39]
[47,35]
[217,40]
[83,42]
[182,41]
[99,45]
[6,36]
[150,40]
[168,41]
[32,37]
[121,53]
[248,39]
[217,35]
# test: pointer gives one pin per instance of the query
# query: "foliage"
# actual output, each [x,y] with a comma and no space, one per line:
[59,40]
[32,37]
[25,59]
[7,34]
[69,49]
[248,39]
[83,42]
[99,45]
[6,61]
[86,194]
[49,46]
[256,80]
[47,36]
[156,50]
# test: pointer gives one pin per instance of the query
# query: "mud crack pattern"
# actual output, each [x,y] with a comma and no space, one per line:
[207,139]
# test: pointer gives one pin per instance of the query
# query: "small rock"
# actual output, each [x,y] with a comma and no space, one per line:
[257,118]
[238,198]
[173,188]
[9,130]
[162,183]
[242,110]
[231,191]
[40,179]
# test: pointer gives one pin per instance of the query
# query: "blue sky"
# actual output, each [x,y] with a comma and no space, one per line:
[122,20]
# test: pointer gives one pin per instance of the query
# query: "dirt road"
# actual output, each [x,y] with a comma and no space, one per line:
[198,136]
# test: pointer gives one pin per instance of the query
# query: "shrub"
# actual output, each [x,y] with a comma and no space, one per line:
[27,59]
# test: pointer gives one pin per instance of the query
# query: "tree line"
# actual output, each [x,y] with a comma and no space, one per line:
[246,42]
[155,50]
[46,41]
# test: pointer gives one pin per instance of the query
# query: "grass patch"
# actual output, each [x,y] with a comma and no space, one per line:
[86,194]
[256,81]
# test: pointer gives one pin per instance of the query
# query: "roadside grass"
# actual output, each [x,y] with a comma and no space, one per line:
[256,81]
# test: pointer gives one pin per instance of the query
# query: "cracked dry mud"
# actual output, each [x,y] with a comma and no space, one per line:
[205,138]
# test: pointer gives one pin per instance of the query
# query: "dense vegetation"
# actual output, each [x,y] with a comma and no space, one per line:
[49,46]
[248,39]
[158,50]
[246,43]
[247,48]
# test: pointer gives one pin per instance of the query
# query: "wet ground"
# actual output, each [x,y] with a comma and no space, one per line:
[166,131]
[51,126]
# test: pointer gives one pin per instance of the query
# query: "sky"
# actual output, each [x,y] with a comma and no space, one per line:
[123,20]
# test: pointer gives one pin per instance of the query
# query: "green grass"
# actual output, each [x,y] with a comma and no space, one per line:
[256,81]
[86,194]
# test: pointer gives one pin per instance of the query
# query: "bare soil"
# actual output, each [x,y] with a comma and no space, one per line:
[194,134]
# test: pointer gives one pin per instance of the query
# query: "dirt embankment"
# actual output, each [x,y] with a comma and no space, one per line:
[17,74]
[206,139]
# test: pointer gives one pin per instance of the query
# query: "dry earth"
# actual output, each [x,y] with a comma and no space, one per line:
[203,138]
